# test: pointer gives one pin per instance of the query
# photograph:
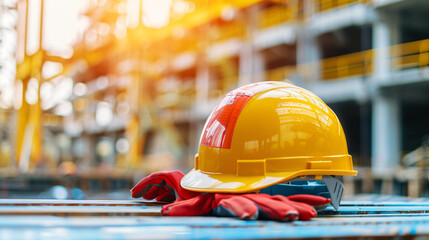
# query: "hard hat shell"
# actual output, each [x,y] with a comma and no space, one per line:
[265,133]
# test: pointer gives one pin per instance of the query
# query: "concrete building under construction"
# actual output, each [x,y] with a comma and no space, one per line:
[142,90]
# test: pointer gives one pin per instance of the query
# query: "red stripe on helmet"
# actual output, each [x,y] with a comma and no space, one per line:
[220,125]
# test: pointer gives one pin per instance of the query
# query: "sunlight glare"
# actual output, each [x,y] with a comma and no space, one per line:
[133,13]
[63,25]
[156,14]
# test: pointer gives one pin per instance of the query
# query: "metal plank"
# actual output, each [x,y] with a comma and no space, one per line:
[203,228]
[72,207]
[117,221]
[353,220]
[54,202]
[80,210]
[370,210]
[196,222]
[384,203]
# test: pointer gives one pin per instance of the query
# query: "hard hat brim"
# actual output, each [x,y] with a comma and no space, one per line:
[199,181]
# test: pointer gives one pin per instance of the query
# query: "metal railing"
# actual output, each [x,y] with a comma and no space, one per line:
[354,64]
[235,29]
[402,56]
[409,55]
[326,5]
[279,74]
[276,15]
[280,14]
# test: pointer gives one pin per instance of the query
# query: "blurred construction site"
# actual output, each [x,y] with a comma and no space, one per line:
[96,94]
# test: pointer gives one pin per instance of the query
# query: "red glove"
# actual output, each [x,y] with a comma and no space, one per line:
[162,186]
[165,186]
[248,206]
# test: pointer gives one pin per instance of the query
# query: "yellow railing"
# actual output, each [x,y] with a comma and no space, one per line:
[228,83]
[355,64]
[276,15]
[236,29]
[326,5]
[279,74]
[402,56]
[409,55]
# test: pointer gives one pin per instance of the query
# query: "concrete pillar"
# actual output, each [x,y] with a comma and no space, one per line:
[386,118]
[386,32]
[251,65]
[309,8]
[386,134]
[307,49]
[249,60]
[308,56]
[258,67]
[245,63]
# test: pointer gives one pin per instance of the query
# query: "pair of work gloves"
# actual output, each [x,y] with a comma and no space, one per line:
[165,186]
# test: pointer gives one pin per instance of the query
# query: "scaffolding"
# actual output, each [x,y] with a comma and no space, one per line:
[141,94]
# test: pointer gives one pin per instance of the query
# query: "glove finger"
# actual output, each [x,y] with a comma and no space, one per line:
[163,193]
[312,200]
[166,196]
[142,187]
[305,211]
[172,177]
[153,192]
[237,207]
[171,183]
[196,206]
[152,189]
[166,181]
[272,209]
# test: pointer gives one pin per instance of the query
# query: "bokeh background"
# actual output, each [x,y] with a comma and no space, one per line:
[96,94]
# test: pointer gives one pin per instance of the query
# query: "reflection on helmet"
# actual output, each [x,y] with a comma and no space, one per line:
[266,133]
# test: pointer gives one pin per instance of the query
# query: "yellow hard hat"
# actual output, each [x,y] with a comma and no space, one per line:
[266,133]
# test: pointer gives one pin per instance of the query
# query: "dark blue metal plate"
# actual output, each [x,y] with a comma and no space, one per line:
[353,220]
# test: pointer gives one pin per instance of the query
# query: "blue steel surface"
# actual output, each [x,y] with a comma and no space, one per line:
[351,221]
[343,210]
[52,202]
[205,228]
[357,210]
[78,208]
[390,203]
